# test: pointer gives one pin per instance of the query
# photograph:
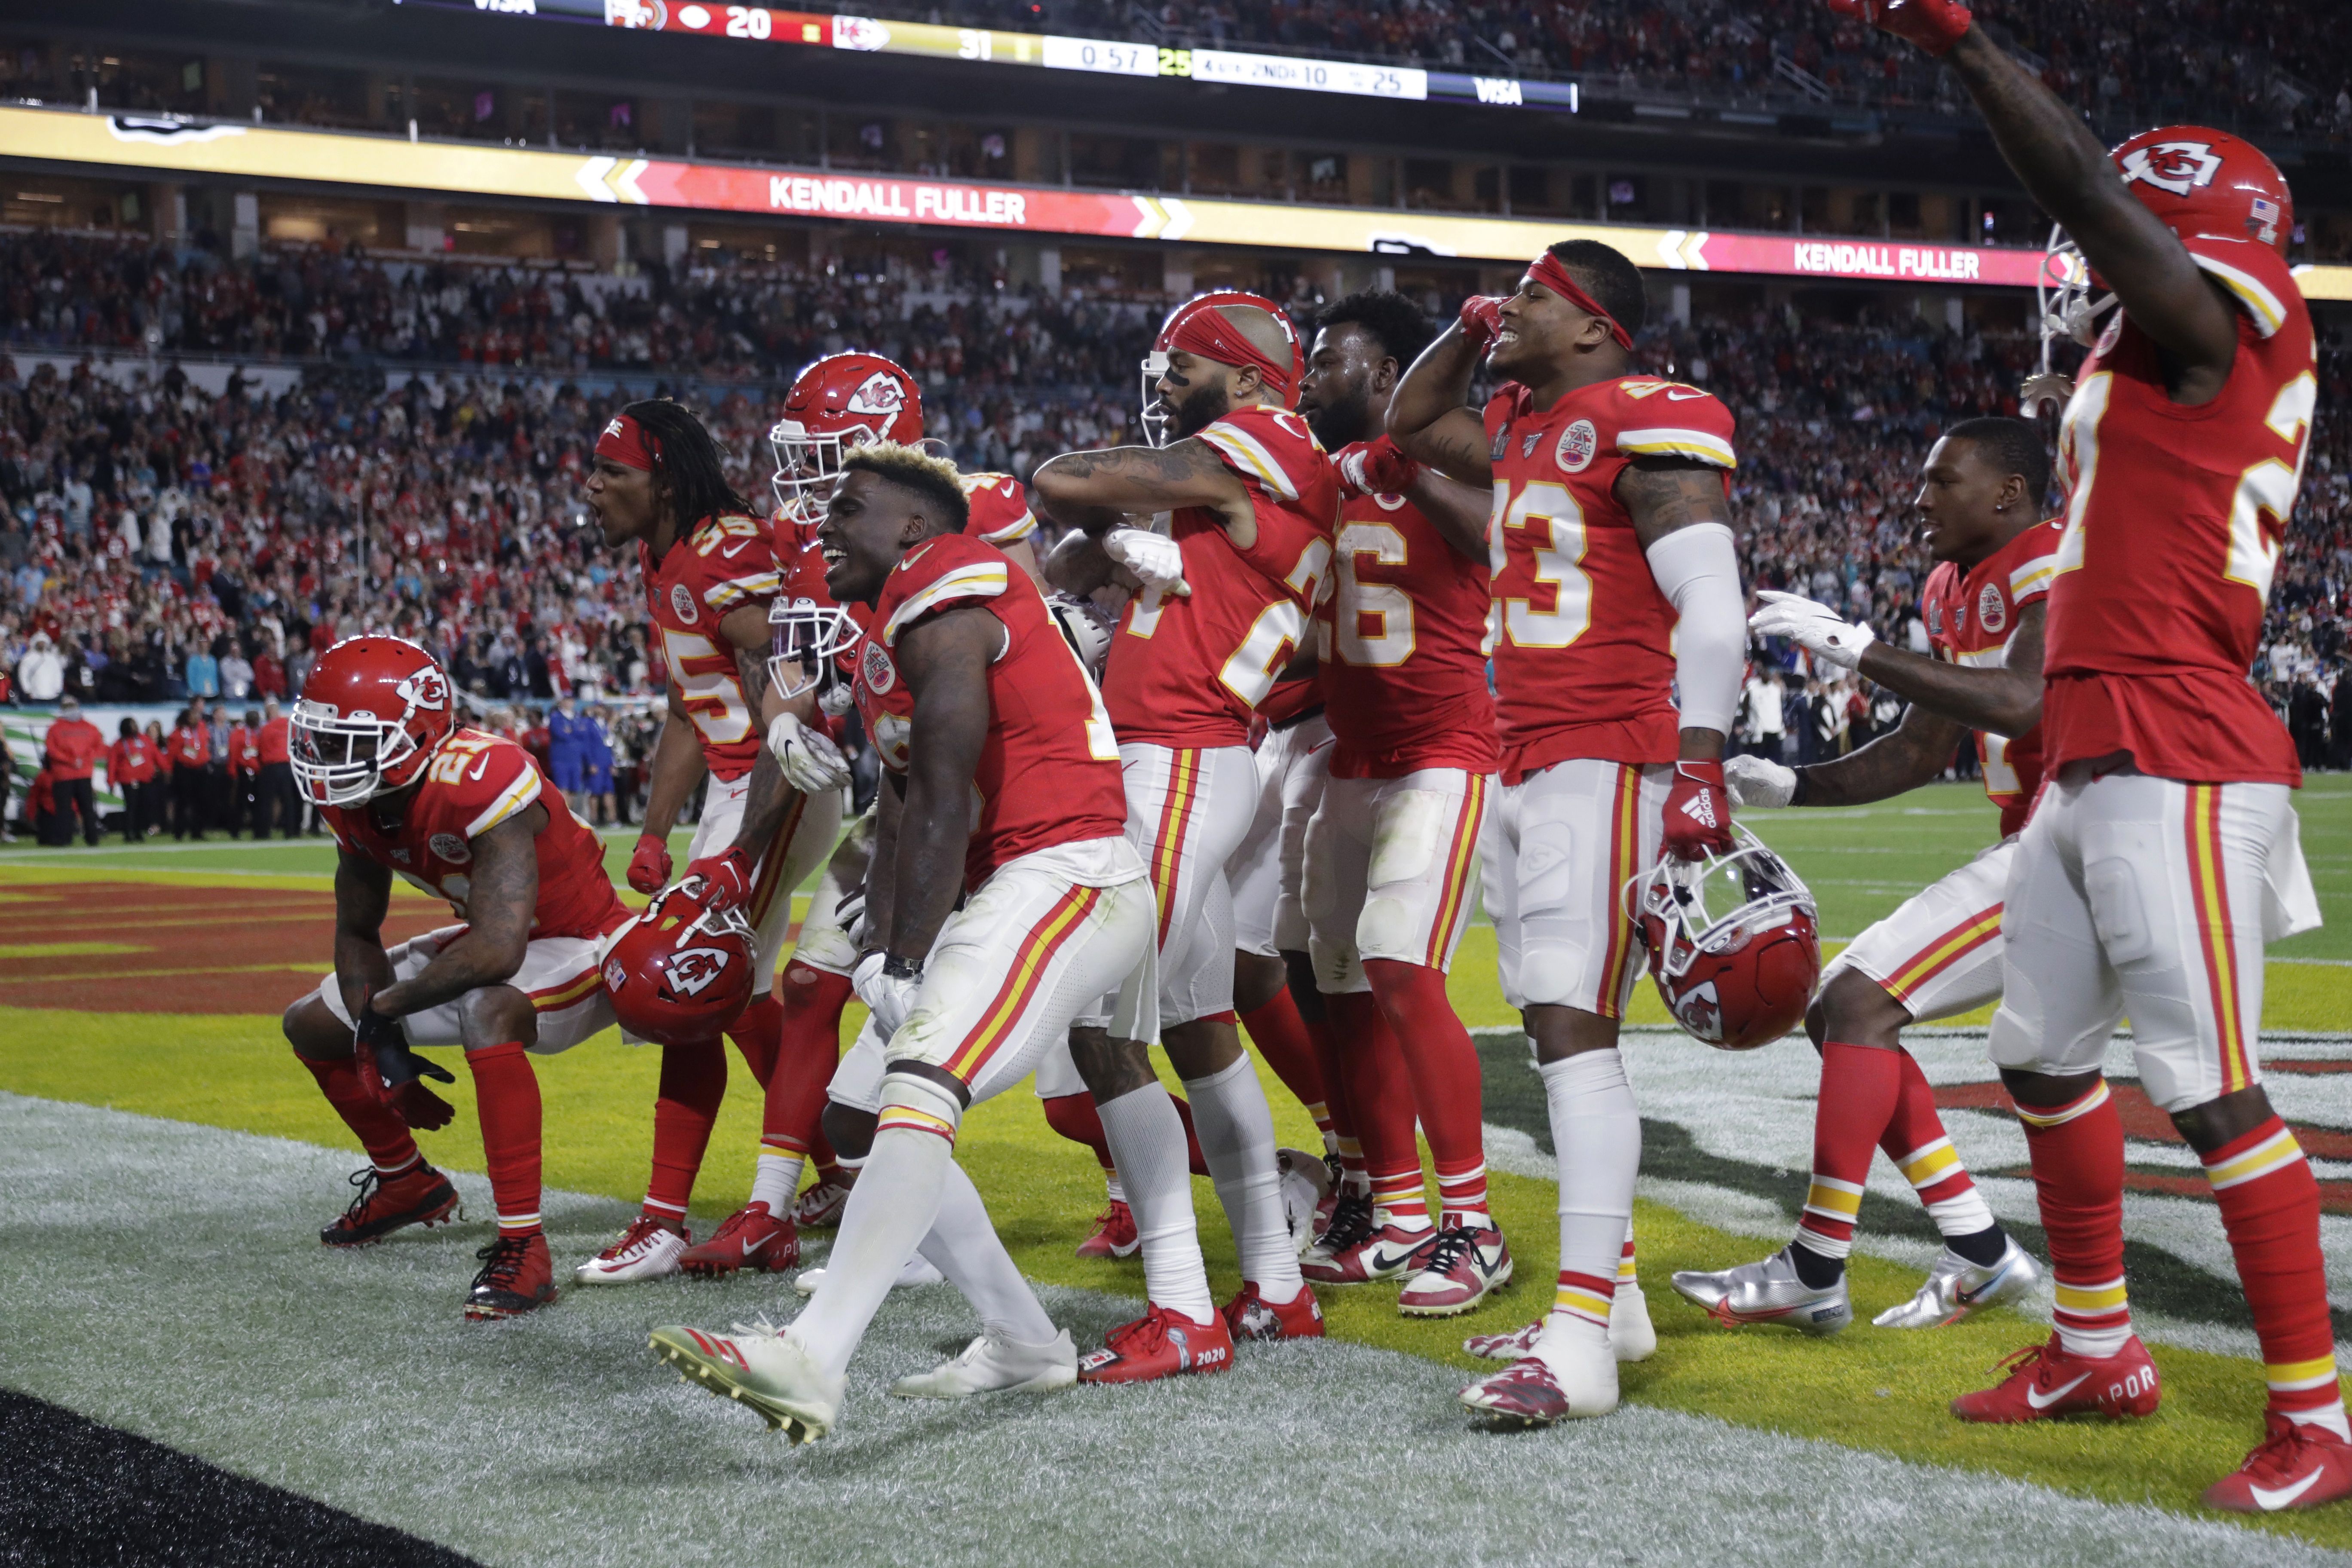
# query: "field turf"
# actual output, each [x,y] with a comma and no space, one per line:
[146,981]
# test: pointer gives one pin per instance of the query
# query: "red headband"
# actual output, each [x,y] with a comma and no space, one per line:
[1547,271]
[1206,333]
[629,444]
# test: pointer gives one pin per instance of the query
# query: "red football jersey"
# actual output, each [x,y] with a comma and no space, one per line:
[1190,671]
[1000,509]
[721,565]
[2174,518]
[1970,618]
[1584,663]
[1402,642]
[1049,770]
[474,782]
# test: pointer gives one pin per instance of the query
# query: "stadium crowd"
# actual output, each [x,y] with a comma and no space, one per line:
[162,544]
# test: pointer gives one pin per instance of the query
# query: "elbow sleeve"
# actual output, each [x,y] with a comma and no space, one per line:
[1698,571]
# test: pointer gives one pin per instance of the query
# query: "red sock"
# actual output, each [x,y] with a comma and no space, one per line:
[808,1048]
[758,1033]
[1075,1117]
[505,1097]
[380,1130]
[1860,1087]
[2270,1207]
[693,1082]
[823,1161]
[1280,1036]
[1916,1140]
[1333,1063]
[1199,1161]
[1380,1092]
[2078,1177]
[1444,1062]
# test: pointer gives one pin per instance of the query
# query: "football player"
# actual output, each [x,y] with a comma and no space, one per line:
[1616,590]
[2143,883]
[464,815]
[1007,772]
[1392,853]
[1980,502]
[1223,608]
[710,574]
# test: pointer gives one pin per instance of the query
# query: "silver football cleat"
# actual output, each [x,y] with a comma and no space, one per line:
[1767,1293]
[1956,1286]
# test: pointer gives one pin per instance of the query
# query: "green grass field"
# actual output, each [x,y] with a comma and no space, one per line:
[1871,1391]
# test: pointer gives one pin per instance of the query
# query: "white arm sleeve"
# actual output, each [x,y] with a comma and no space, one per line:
[1698,572]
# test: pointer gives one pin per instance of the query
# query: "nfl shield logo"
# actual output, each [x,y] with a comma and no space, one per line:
[1530,442]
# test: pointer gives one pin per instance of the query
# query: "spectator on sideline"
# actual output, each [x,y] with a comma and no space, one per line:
[600,763]
[7,787]
[275,789]
[51,829]
[159,792]
[220,775]
[71,752]
[130,771]
[244,775]
[1764,721]
[191,754]
[568,732]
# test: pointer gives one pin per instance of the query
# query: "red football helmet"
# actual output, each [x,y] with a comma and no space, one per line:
[1157,415]
[808,634]
[679,974]
[373,714]
[1743,979]
[842,401]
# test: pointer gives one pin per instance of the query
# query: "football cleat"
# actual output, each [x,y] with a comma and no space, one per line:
[1531,1391]
[993,1366]
[1160,1343]
[2294,1466]
[1956,1286]
[418,1195]
[1113,1233]
[2044,1381]
[1630,1334]
[1348,1221]
[1767,1293]
[648,1249]
[1518,1342]
[819,1208]
[918,1271]
[751,1238]
[1366,1253]
[758,1367]
[1457,1273]
[517,1277]
[1250,1316]
[1305,1183]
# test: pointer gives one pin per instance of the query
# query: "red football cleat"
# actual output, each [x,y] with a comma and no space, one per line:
[819,1208]
[1250,1316]
[1455,1275]
[418,1195]
[2046,1380]
[1113,1233]
[1524,1394]
[1360,1254]
[2293,1466]
[517,1277]
[1160,1343]
[751,1238]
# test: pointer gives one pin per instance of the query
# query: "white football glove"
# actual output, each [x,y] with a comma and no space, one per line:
[812,765]
[1754,781]
[1155,559]
[889,997]
[1813,626]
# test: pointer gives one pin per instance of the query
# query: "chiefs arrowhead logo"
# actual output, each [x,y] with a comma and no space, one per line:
[2179,167]
[1700,1011]
[693,970]
[878,394]
[424,689]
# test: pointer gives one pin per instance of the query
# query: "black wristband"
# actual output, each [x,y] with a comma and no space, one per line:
[1797,794]
[899,968]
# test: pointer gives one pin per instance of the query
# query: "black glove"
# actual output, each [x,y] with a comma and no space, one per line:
[381,1043]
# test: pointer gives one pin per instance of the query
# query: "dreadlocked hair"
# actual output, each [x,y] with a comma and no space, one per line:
[687,460]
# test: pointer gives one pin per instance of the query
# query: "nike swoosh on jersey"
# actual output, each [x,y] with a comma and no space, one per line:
[479,769]
[2040,1400]
[729,554]
[1683,396]
[2271,1501]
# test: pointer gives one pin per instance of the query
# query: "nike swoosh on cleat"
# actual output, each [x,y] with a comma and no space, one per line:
[2035,1397]
[2271,1501]
[750,1247]
[1380,1260]
[1968,1297]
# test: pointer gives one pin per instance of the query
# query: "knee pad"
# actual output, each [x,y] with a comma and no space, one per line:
[912,1102]
[2118,912]
[1338,968]
[1385,929]
[1404,836]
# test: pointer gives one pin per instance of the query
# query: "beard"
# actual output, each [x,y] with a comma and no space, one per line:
[1201,407]
[1344,422]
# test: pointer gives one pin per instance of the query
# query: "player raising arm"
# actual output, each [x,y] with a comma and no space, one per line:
[1615,586]
[2164,851]
[1940,953]
[465,816]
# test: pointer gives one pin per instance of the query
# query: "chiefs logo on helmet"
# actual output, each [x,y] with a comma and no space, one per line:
[1742,979]
[880,392]
[679,974]
[2176,167]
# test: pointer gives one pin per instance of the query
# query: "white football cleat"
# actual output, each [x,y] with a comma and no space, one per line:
[759,1367]
[918,1271]
[993,1366]
[1571,1375]
[649,1249]
[1630,1334]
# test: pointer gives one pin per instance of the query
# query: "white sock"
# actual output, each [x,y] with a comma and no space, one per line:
[1235,1127]
[963,1245]
[1596,1137]
[776,1179]
[1147,1140]
[890,1210]
[1111,1186]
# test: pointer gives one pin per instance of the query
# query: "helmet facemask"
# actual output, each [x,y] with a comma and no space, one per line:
[1753,886]
[1159,419]
[343,762]
[2062,291]
[808,466]
[806,641]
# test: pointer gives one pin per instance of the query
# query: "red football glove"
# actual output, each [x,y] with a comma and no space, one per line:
[726,878]
[1387,467]
[1698,813]
[1482,317]
[393,1075]
[649,867]
[1934,25]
